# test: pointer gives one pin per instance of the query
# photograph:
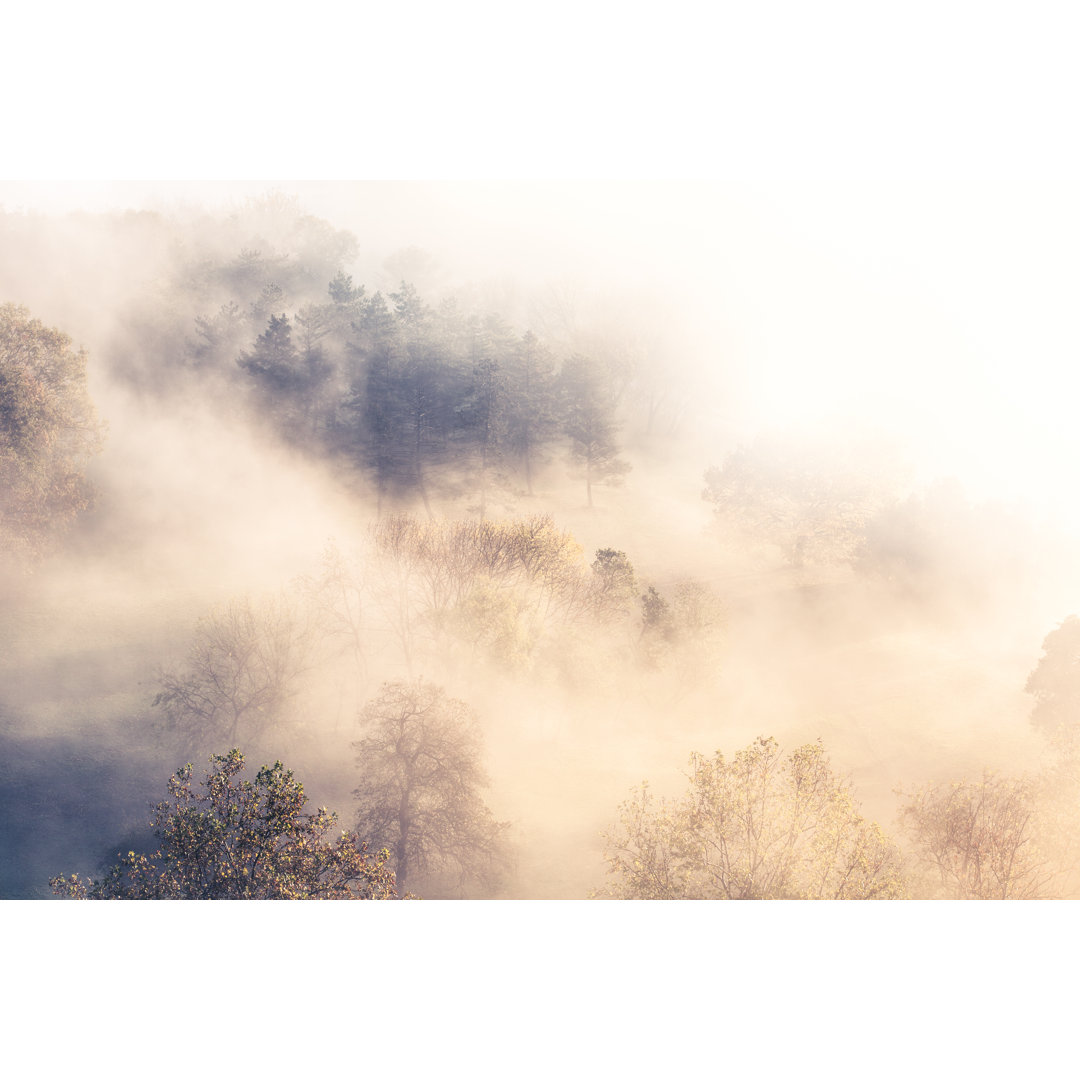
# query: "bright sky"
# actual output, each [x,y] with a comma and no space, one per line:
[892,231]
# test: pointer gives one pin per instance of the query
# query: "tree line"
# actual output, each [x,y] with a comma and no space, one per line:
[421,396]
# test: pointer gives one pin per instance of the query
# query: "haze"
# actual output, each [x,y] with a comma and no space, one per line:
[907,339]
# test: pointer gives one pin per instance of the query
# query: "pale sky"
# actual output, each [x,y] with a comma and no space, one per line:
[891,231]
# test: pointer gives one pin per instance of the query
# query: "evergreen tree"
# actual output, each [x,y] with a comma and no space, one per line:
[288,382]
[377,394]
[588,410]
[530,403]
[492,342]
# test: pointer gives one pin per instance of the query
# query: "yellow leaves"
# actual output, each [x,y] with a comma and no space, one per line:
[751,829]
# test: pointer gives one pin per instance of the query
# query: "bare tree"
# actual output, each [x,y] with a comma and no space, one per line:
[420,777]
[242,669]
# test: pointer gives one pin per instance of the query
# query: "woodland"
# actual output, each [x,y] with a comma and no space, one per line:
[397,583]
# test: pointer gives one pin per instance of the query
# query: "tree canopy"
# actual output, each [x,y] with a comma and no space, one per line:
[241,840]
[1055,684]
[761,826]
[48,430]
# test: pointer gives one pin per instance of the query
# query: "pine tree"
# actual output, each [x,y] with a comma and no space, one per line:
[531,403]
[588,409]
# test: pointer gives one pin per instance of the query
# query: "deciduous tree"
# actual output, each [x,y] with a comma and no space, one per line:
[420,781]
[243,667]
[241,840]
[760,826]
[980,840]
[811,504]
[48,431]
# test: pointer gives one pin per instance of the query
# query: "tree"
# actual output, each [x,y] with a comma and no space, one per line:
[220,337]
[658,628]
[408,391]
[941,549]
[48,431]
[419,791]
[758,827]
[811,503]
[531,406]
[288,381]
[1055,684]
[485,405]
[981,839]
[614,582]
[241,840]
[697,617]
[242,669]
[588,409]
[433,572]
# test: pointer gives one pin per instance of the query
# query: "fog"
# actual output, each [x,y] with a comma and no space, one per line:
[887,539]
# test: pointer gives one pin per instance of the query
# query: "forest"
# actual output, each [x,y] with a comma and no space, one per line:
[331,569]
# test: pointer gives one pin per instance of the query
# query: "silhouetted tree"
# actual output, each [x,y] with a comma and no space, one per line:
[242,669]
[418,795]
[220,337]
[289,380]
[531,407]
[658,629]
[485,406]
[410,392]
[1055,683]
[588,411]
[614,582]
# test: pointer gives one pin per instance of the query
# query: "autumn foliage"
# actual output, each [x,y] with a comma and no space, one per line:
[761,826]
[241,840]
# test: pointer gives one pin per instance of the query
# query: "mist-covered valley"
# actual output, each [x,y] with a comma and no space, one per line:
[530,483]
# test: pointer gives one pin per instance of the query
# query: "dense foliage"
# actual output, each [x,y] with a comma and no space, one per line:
[241,840]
